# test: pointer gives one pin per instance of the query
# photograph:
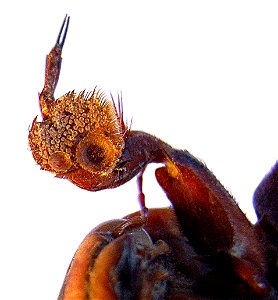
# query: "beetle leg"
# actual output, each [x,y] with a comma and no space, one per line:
[52,70]
[128,224]
[141,195]
[207,213]
[211,219]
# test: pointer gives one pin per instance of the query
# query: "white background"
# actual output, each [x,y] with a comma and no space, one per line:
[201,75]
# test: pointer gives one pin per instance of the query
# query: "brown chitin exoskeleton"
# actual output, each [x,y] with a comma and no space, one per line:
[81,135]
[212,221]
[266,206]
[112,266]
[82,138]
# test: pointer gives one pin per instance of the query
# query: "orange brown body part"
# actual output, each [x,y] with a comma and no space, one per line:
[189,251]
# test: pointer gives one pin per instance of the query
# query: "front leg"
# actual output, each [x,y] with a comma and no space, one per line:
[212,221]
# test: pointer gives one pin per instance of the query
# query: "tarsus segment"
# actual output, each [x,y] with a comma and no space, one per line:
[52,70]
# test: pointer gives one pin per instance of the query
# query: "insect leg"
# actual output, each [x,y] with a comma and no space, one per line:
[141,195]
[52,70]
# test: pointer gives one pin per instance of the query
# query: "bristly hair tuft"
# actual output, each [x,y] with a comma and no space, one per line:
[119,108]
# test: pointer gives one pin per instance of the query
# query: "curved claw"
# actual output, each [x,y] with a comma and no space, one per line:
[63,33]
